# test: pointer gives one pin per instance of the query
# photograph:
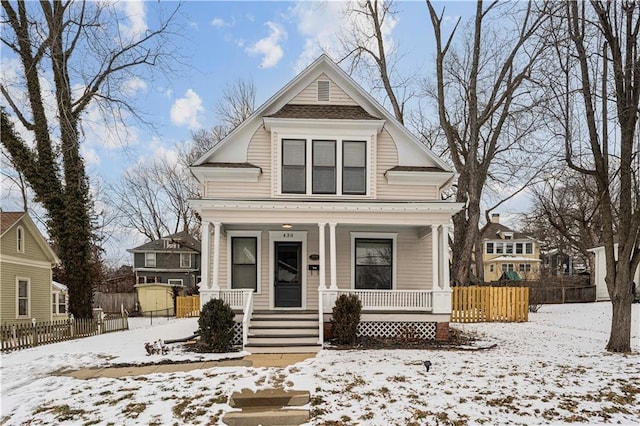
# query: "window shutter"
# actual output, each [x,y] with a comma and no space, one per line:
[323,91]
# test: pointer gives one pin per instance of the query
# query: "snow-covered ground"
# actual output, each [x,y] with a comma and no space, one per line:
[552,370]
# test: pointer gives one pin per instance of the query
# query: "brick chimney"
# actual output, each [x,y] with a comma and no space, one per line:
[495,218]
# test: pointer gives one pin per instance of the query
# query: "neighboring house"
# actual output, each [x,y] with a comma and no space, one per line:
[602,294]
[506,250]
[59,301]
[165,267]
[25,270]
[322,192]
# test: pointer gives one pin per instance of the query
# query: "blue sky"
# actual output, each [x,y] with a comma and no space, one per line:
[219,42]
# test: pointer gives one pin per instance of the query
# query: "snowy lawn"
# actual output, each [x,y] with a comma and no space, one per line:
[552,369]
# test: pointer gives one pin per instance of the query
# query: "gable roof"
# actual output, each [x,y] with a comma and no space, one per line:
[494,228]
[186,243]
[8,220]
[330,112]
[408,153]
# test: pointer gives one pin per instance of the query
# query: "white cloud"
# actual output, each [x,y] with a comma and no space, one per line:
[324,24]
[218,22]
[136,13]
[186,111]
[131,86]
[269,47]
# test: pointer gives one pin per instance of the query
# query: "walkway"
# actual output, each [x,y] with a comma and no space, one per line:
[254,360]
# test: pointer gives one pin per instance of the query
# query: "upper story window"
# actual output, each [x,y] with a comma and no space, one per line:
[294,166]
[185,260]
[150,260]
[324,94]
[528,248]
[333,167]
[499,248]
[20,239]
[489,249]
[519,248]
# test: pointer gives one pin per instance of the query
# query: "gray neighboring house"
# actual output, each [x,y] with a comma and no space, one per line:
[173,260]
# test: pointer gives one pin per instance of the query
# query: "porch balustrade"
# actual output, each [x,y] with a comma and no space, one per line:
[383,300]
[236,298]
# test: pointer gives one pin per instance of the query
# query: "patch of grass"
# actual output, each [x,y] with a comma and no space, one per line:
[398,379]
[62,413]
[133,410]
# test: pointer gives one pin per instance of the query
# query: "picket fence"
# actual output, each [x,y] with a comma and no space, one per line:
[187,306]
[490,304]
[27,335]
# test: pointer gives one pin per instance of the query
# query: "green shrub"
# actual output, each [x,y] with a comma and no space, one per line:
[346,318]
[216,325]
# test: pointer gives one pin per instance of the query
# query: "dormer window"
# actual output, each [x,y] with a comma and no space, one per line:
[20,239]
[323,91]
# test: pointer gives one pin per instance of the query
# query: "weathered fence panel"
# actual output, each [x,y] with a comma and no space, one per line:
[490,304]
[187,306]
[111,303]
[26,335]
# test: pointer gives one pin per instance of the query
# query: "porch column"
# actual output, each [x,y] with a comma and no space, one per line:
[444,247]
[435,265]
[216,256]
[442,291]
[321,253]
[205,259]
[332,253]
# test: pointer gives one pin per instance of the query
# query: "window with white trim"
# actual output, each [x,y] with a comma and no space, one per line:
[507,267]
[519,248]
[244,262]
[185,260]
[294,166]
[20,239]
[508,248]
[174,282]
[528,248]
[373,260]
[23,297]
[150,260]
[490,268]
[524,267]
[323,166]
[489,248]
[59,303]
[499,248]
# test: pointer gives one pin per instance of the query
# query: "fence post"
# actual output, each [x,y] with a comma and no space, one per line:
[35,333]
[72,326]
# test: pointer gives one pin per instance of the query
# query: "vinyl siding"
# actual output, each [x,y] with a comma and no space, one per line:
[40,297]
[32,251]
[309,95]
[387,159]
[259,154]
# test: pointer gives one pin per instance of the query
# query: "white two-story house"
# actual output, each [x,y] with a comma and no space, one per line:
[322,192]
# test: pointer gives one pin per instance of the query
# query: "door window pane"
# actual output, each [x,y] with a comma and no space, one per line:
[288,267]
[244,262]
[324,167]
[374,262]
[293,166]
[354,170]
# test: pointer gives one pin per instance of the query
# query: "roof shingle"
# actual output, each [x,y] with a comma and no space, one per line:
[8,219]
[329,112]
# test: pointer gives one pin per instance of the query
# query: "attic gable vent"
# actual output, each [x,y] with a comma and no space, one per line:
[323,91]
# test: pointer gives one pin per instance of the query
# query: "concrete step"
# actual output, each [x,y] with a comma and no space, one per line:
[282,348]
[277,316]
[272,398]
[283,330]
[266,417]
[290,339]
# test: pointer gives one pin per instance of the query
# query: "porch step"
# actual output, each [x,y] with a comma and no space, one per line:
[283,332]
[267,407]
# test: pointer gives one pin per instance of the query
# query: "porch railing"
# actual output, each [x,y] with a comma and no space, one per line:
[236,298]
[246,318]
[383,300]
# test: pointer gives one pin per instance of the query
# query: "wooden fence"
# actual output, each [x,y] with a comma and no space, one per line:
[490,304]
[27,335]
[187,306]
[112,302]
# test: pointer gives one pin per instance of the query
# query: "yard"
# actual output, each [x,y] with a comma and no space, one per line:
[552,369]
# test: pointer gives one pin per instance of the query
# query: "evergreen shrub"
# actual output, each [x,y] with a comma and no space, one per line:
[216,326]
[346,318]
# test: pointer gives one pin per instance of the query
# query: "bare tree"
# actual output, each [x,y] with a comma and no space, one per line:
[367,52]
[485,98]
[237,103]
[13,180]
[81,49]
[603,55]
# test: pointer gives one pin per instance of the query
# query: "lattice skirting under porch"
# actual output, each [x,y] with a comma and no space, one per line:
[403,329]
[237,333]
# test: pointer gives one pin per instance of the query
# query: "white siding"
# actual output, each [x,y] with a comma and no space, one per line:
[309,95]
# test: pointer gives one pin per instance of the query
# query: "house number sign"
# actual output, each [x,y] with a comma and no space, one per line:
[287,235]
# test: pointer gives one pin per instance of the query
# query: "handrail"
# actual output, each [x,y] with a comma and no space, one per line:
[392,300]
[321,320]
[248,312]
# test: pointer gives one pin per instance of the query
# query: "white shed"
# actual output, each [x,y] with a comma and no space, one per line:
[601,271]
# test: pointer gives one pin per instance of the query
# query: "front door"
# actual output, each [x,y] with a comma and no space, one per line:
[288,270]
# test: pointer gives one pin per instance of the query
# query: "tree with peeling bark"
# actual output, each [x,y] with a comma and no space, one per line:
[84,55]
[604,45]
[486,99]
[367,50]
